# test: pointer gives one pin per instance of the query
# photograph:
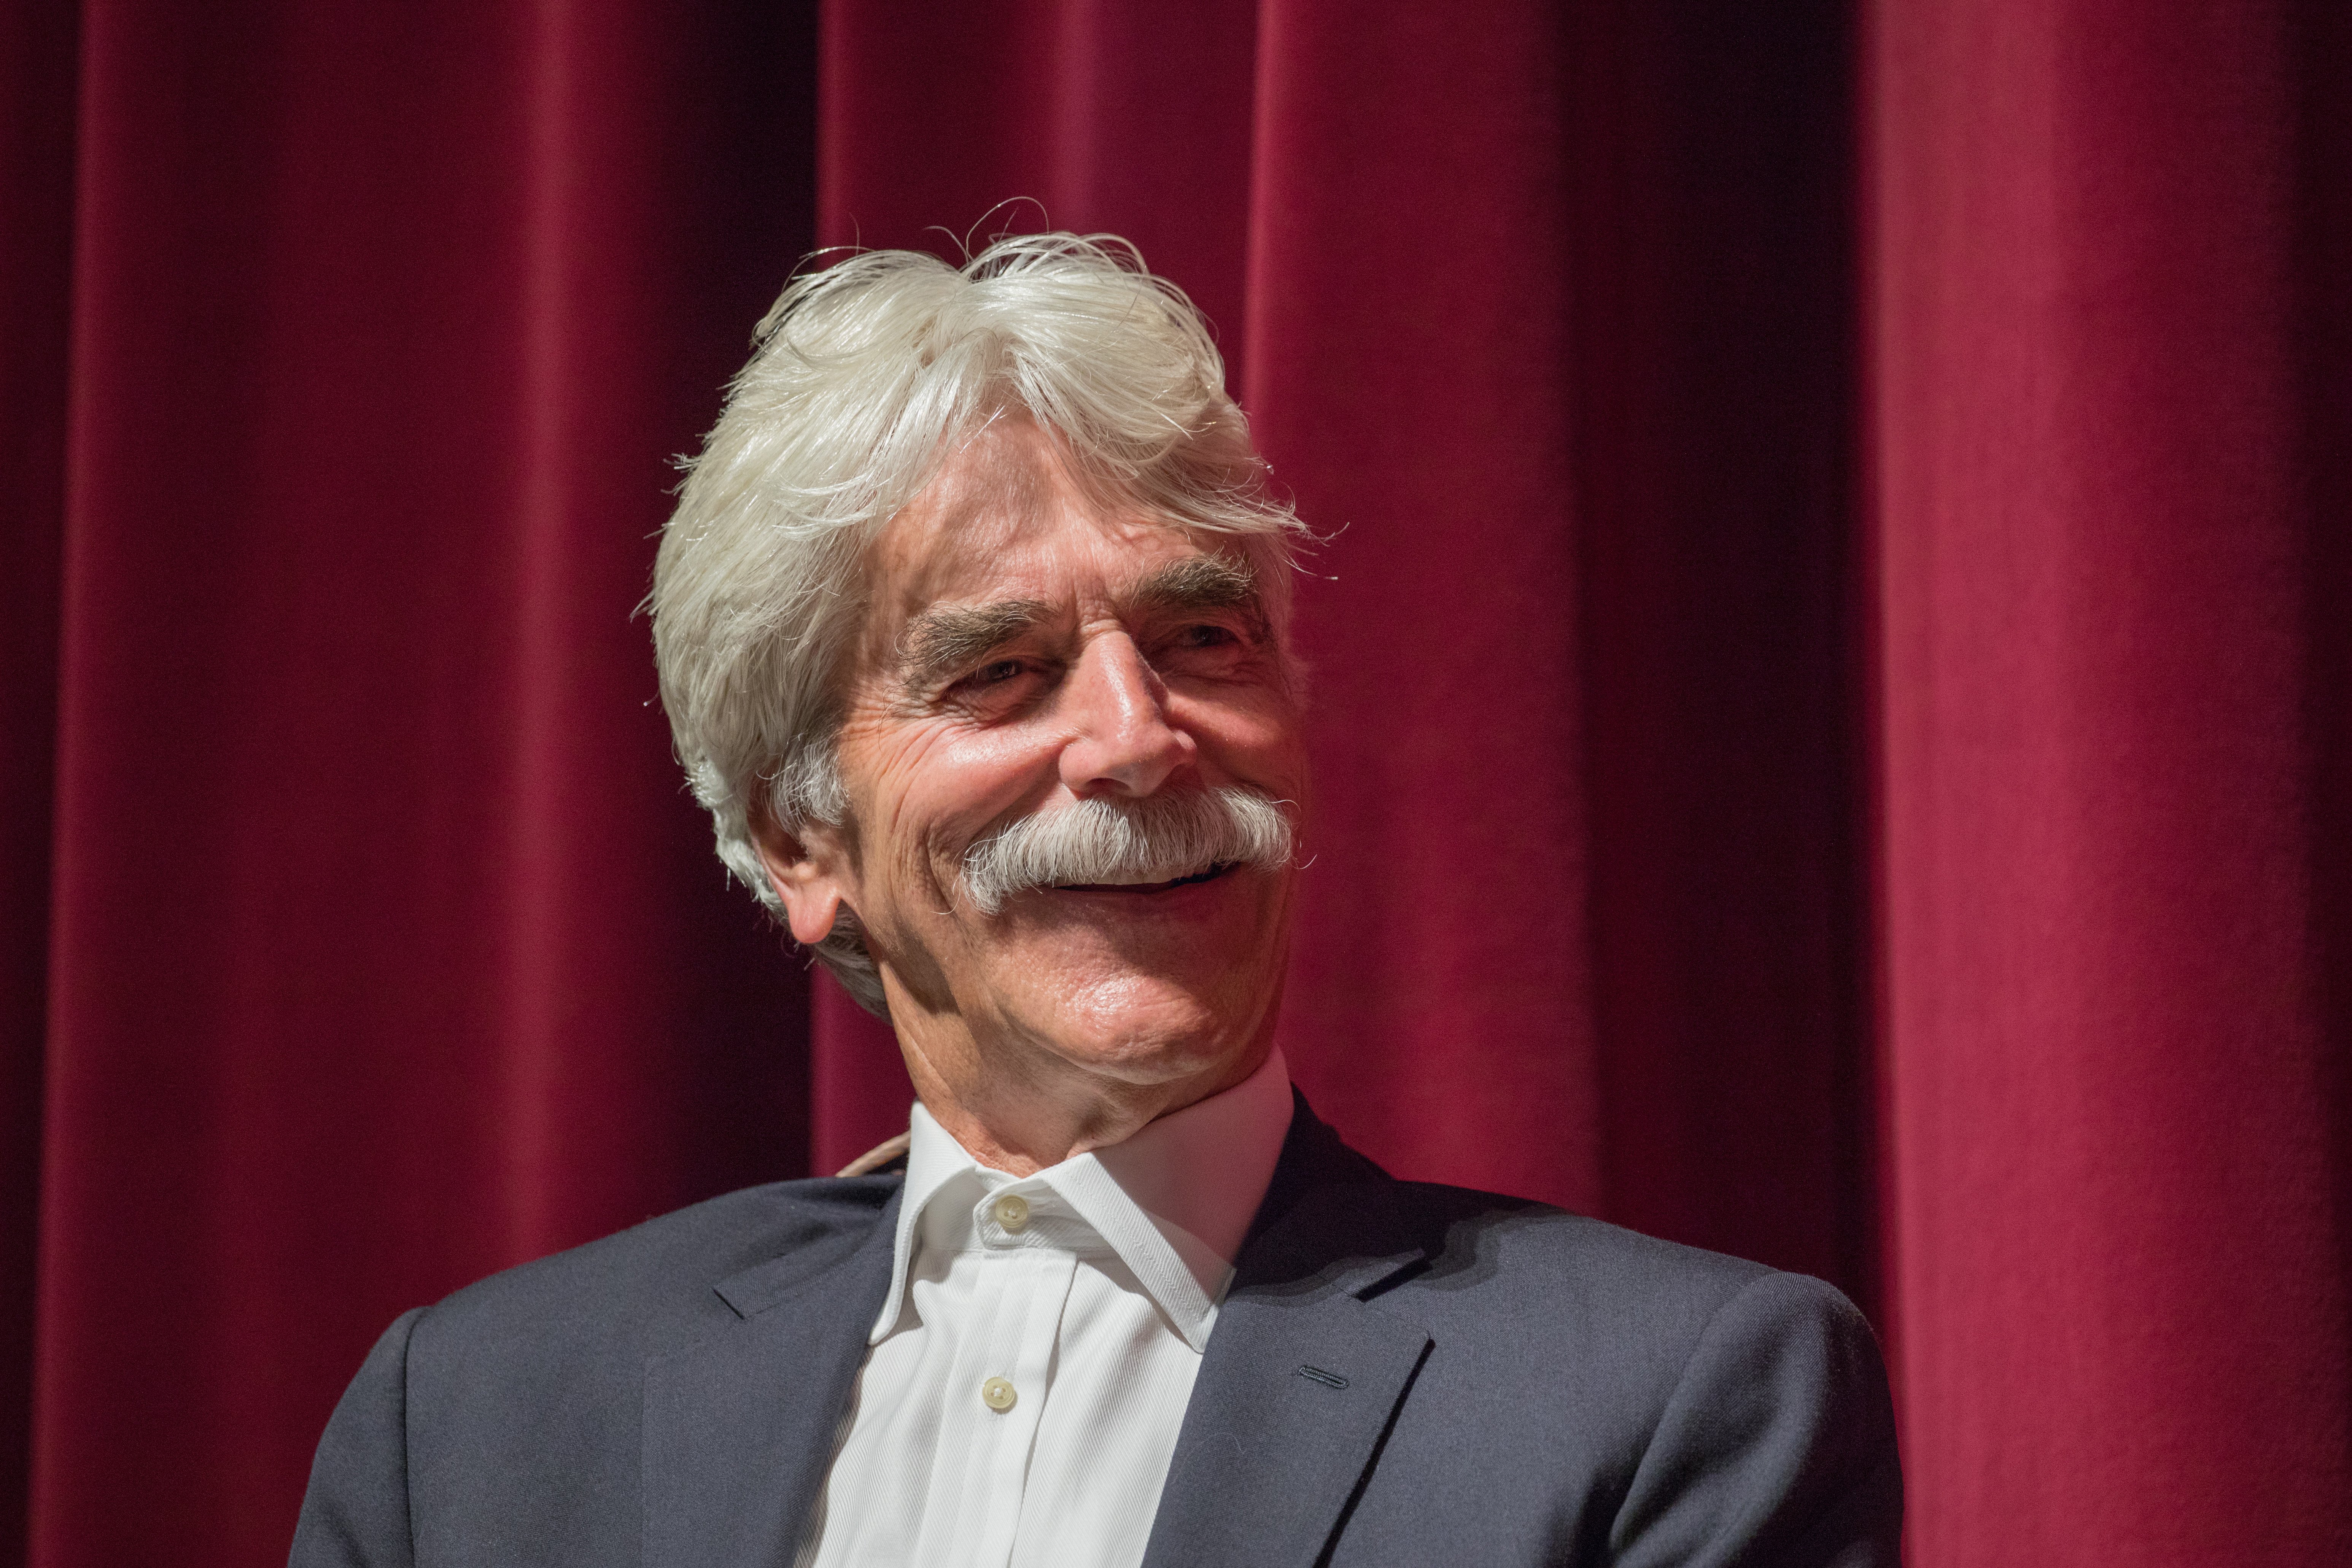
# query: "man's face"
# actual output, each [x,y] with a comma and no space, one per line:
[1026,649]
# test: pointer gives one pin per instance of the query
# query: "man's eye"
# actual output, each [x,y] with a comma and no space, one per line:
[1204,637]
[996,674]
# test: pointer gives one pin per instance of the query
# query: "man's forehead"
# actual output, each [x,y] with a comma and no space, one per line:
[1004,520]
[1137,563]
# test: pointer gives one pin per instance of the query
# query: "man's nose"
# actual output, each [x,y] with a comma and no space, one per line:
[1121,742]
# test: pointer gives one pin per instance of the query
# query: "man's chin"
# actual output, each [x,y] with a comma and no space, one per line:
[1148,1023]
[1143,1045]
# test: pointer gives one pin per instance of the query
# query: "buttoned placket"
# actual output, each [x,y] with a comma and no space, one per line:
[1028,1269]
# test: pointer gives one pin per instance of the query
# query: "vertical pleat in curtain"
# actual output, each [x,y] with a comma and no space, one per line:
[385,951]
[36,205]
[2107,421]
[1830,669]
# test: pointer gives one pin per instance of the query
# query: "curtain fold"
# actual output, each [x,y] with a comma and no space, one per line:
[1830,660]
[1407,349]
[384,949]
[36,205]
[2103,630]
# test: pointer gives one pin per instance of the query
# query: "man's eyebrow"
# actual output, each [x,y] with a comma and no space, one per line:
[1197,583]
[946,638]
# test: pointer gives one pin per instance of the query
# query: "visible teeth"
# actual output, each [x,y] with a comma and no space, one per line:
[1205,871]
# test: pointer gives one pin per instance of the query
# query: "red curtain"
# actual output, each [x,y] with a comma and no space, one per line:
[2106,310]
[36,53]
[383,949]
[1830,671]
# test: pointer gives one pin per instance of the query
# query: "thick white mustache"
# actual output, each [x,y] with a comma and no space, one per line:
[1158,838]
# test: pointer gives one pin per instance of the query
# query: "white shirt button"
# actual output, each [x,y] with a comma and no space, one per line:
[1012,1214]
[997,1394]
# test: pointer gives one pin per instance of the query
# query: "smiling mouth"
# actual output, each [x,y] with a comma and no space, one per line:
[1211,875]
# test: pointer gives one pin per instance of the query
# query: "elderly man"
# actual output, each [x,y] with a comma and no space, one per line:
[972,629]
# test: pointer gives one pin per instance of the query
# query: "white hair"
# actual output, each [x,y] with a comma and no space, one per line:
[862,378]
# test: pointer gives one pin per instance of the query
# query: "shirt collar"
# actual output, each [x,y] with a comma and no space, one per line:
[1174,1201]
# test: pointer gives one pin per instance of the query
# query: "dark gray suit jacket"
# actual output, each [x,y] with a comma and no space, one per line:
[1400,1373]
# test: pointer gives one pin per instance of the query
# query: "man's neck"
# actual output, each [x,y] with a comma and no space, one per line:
[1022,1111]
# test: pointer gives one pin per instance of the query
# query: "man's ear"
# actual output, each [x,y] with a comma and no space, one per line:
[807,870]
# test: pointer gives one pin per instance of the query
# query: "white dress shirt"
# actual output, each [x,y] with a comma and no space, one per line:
[1025,1379]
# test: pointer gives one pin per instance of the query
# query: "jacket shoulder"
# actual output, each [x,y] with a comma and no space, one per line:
[1537,1244]
[664,1272]
[1681,1405]
[1492,1267]
[501,1425]
[1508,1263]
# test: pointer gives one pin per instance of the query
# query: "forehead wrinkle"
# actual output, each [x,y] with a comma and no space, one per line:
[992,492]
[995,484]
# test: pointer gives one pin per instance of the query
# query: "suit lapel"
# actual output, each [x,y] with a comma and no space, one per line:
[739,1426]
[1302,1377]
